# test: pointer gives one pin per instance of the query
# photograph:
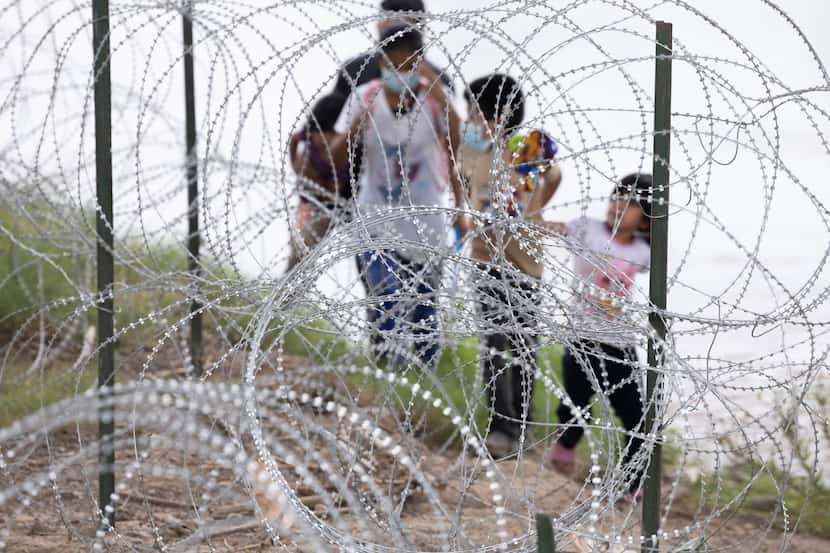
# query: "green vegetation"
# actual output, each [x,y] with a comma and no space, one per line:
[24,391]
[36,270]
[457,372]
[759,486]
[454,383]
[759,490]
[26,270]
[45,263]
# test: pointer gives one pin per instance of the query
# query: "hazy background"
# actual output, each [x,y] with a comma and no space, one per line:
[258,65]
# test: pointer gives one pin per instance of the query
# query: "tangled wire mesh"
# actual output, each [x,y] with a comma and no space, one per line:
[370,379]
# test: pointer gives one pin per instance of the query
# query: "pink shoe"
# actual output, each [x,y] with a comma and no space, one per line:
[562,459]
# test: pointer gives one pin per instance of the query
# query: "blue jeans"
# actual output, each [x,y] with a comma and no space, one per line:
[406,299]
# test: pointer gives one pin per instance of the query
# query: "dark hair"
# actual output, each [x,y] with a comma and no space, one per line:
[403,5]
[324,113]
[640,188]
[401,36]
[499,98]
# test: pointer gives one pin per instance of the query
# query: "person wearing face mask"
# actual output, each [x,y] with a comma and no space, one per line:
[405,123]
[507,195]
[320,181]
[367,66]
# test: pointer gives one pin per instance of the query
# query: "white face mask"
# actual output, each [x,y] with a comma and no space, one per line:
[475,138]
[399,82]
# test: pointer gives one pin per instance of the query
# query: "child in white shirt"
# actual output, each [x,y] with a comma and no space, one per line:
[608,254]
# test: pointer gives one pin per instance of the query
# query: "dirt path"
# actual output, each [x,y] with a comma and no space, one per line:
[161,508]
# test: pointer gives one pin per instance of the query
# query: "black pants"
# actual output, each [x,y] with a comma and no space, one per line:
[509,348]
[613,368]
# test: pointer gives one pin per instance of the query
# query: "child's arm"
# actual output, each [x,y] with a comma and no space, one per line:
[556,227]
[462,222]
[436,89]
[549,184]
[551,179]
[341,141]
[349,128]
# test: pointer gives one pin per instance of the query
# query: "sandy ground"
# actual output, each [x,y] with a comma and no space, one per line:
[159,511]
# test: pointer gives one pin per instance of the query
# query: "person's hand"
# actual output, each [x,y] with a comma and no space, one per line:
[554,227]
[463,224]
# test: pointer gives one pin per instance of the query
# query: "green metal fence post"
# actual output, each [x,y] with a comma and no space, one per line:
[104,229]
[193,237]
[544,534]
[658,274]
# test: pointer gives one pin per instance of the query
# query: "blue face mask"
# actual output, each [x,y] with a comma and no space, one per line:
[474,138]
[399,82]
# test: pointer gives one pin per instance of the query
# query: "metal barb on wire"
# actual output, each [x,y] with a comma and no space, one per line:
[309,394]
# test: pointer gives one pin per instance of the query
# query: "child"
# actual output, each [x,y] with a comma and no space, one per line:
[324,186]
[509,261]
[404,122]
[611,253]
